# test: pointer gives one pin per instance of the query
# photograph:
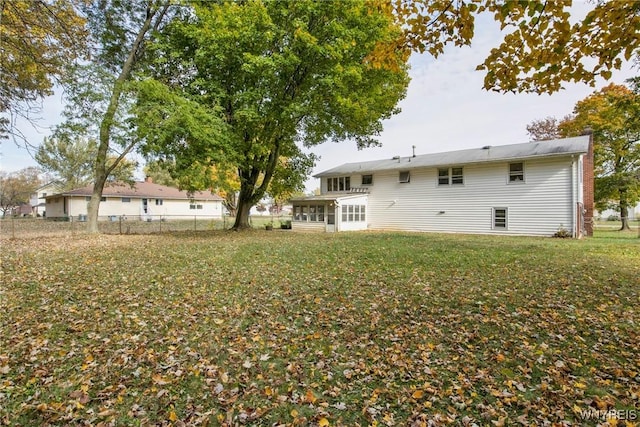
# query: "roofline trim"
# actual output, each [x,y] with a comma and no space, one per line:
[408,167]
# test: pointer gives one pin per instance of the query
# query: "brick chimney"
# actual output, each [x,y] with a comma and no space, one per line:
[148,179]
[588,184]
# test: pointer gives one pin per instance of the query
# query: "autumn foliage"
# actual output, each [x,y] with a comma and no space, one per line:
[328,330]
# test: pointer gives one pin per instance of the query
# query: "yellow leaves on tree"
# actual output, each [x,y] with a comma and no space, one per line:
[542,47]
[39,39]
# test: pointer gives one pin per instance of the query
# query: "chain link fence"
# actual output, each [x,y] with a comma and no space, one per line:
[28,227]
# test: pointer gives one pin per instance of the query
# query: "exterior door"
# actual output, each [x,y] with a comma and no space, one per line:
[331,217]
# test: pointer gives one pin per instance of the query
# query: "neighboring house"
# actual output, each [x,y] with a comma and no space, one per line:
[144,201]
[536,188]
[22,210]
[633,213]
[38,199]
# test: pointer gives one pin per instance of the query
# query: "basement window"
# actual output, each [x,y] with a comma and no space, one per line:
[500,218]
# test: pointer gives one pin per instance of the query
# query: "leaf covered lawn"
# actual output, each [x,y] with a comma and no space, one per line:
[277,328]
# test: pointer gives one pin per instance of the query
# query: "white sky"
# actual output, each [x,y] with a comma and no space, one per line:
[445,109]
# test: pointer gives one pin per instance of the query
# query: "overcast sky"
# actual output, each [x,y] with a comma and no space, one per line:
[445,109]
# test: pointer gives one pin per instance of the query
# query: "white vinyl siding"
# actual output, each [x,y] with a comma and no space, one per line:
[538,206]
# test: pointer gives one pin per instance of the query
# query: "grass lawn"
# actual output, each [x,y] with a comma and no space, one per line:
[281,328]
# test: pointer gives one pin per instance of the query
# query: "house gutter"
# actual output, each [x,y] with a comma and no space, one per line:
[408,166]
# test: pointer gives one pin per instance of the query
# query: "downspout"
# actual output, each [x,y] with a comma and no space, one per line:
[574,210]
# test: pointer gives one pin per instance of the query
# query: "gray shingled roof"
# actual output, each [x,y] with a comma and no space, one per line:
[141,189]
[556,147]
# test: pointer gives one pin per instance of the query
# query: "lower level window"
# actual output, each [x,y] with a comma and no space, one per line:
[353,213]
[500,218]
[308,213]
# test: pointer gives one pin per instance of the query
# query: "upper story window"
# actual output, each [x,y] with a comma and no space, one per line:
[367,179]
[340,183]
[404,177]
[516,172]
[159,202]
[126,200]
[450,176]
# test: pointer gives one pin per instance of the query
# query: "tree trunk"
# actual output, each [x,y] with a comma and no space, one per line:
[242,216]
[101,170]
[624,218]
[624,211]
[94,206]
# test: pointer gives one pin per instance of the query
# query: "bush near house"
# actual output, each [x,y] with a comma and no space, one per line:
[258,328]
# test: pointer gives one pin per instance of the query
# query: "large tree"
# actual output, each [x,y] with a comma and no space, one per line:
[71,161]
[545,129]
[613,113]
[281,76]
[38,39]
[17,187]
[98,91]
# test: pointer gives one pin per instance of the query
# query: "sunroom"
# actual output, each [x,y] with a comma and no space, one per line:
[330,212]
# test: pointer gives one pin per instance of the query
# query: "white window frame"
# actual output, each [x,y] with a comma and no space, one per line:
[494,218]
[451,178]
[353,213]
[457,176]
[310,212]
[442,177]
[369,179]
[404,177]
[339,184]
[513,176]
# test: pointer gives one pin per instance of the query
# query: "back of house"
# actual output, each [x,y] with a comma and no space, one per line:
[536,188]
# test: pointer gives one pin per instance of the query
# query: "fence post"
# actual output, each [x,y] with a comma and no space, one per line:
[161,223]
[120,224]
[195,226]
[13,227]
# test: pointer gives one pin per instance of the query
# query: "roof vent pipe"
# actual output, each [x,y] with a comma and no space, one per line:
[414,150]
